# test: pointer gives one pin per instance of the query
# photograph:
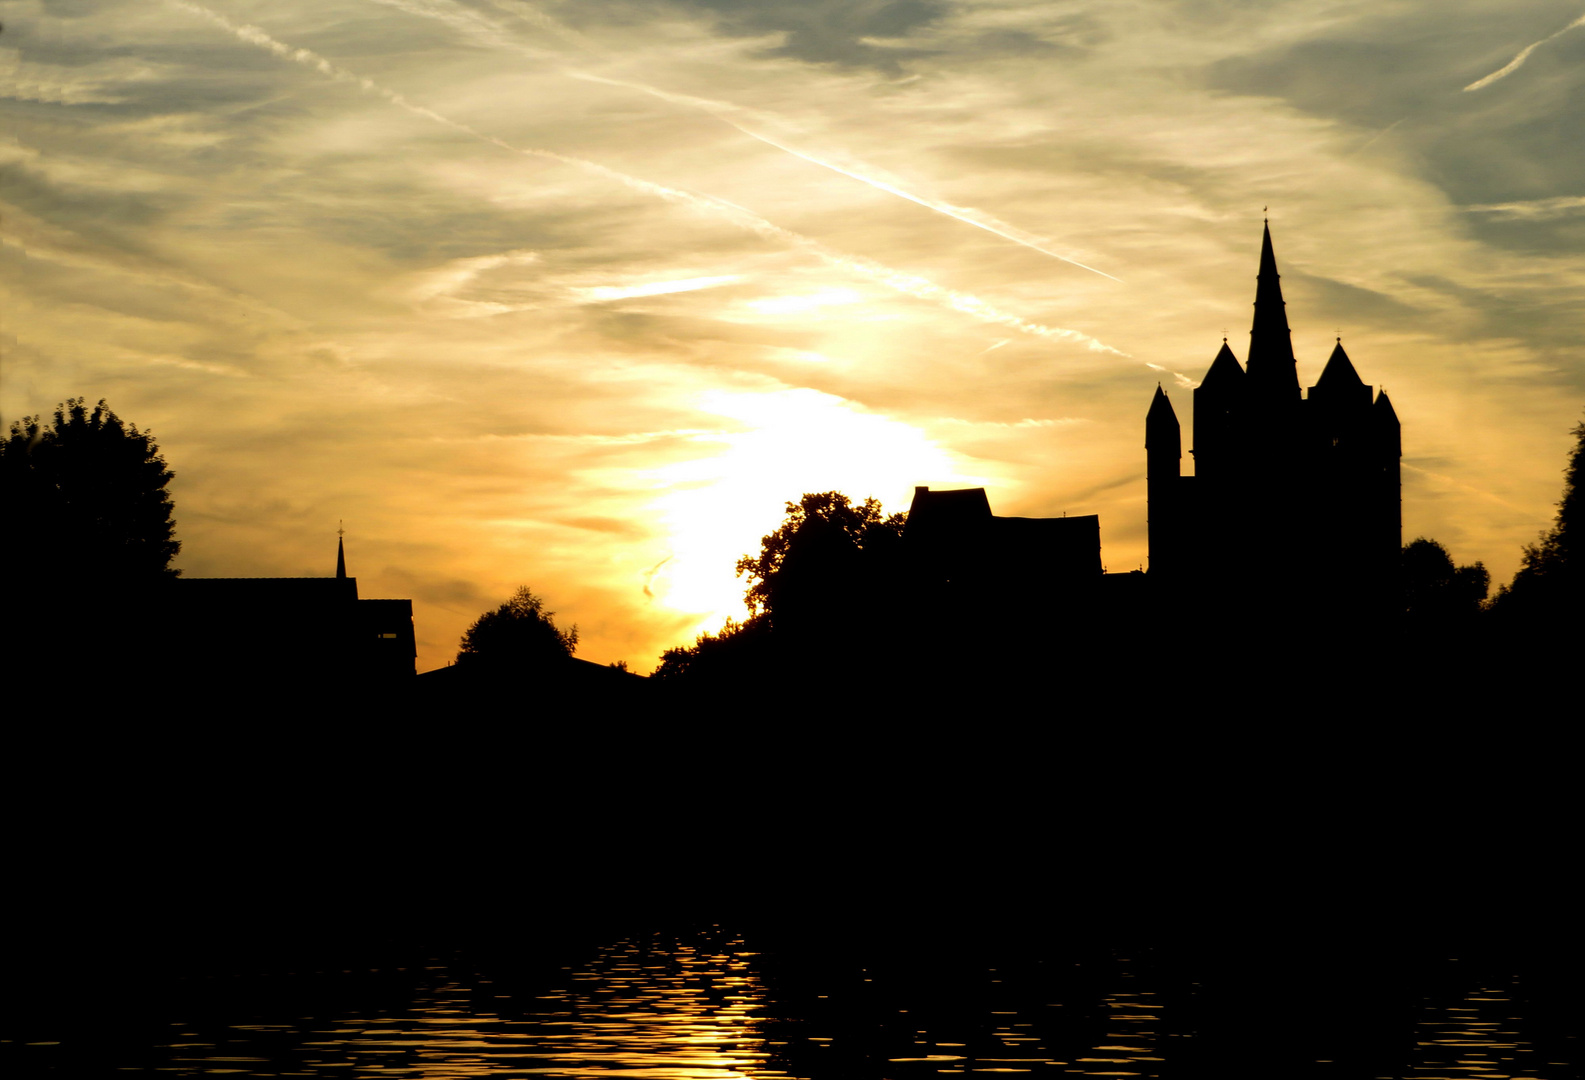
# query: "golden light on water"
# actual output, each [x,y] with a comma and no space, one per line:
[696,1007]
[644,1009]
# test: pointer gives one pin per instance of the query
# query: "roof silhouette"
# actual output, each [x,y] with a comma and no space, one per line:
[1225,370]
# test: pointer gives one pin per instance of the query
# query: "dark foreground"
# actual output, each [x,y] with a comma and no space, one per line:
[1362,896]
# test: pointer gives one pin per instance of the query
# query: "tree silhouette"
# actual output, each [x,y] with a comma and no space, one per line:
[518,633]
[737,653]
[821,579]
[87,504]
[1548,587]
[827,561]
[1435,592]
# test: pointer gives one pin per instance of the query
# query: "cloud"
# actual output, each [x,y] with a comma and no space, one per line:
[1560,206]
[849,33]
[460,273]
[603,293]
[755,124]
[1523,55]
[502,367]
[912,284]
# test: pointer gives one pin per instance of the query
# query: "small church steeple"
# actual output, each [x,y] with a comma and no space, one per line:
[341,555]
[1273,373]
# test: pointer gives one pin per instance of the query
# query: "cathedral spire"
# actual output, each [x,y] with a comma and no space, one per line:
[1272,370]
[341,555]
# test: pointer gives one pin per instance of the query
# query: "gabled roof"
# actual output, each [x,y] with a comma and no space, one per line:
[261,593]
[1339,373]
[1225,371]
[957,505]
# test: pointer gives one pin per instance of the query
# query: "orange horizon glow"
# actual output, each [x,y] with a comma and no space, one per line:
[580,300]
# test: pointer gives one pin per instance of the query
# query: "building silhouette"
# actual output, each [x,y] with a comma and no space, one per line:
[955,543]
[980,589]
[263,631]
[1294,502]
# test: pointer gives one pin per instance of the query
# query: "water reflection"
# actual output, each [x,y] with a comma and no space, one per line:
[919,1018]
[642,1009]
[707,1008]
[1479,1037]
[1133,1026]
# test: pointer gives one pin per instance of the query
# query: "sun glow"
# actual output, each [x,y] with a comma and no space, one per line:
[783,444]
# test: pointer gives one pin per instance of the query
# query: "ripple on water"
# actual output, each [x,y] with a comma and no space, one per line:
[682,1012]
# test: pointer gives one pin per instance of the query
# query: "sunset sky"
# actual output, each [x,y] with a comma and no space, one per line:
[578,294]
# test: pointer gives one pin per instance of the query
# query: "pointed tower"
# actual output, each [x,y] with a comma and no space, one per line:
[1273,374]
[1380,502]
[1340,386]
[1388,480]
[1219,419]
[1338,413]
[1389,432]
[1163,465]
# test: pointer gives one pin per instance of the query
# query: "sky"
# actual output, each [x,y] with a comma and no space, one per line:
[579,295]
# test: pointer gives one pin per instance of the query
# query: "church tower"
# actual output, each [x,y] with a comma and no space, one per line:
[1294,503]
[1273,372]
[1164,510]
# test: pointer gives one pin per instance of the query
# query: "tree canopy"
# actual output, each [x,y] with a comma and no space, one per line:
[1435,592]
[828,557]
[87,500]
[1549,585]
[825,575]
[519,632]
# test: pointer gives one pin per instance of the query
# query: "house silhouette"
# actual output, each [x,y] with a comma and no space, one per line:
[266,631]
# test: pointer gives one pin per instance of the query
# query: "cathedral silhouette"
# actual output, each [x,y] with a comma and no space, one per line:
[1294,503]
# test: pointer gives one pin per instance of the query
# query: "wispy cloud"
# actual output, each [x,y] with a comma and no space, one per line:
[458,273]
[1534,208]
[1518,61]
[912,284]
[580,306]
[603,293]
[750,122]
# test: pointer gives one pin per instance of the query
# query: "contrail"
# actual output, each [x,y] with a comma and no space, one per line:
[966,214]
[1472,489]
[912,285]
[1524,54]
[1372,140]
[471,22]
